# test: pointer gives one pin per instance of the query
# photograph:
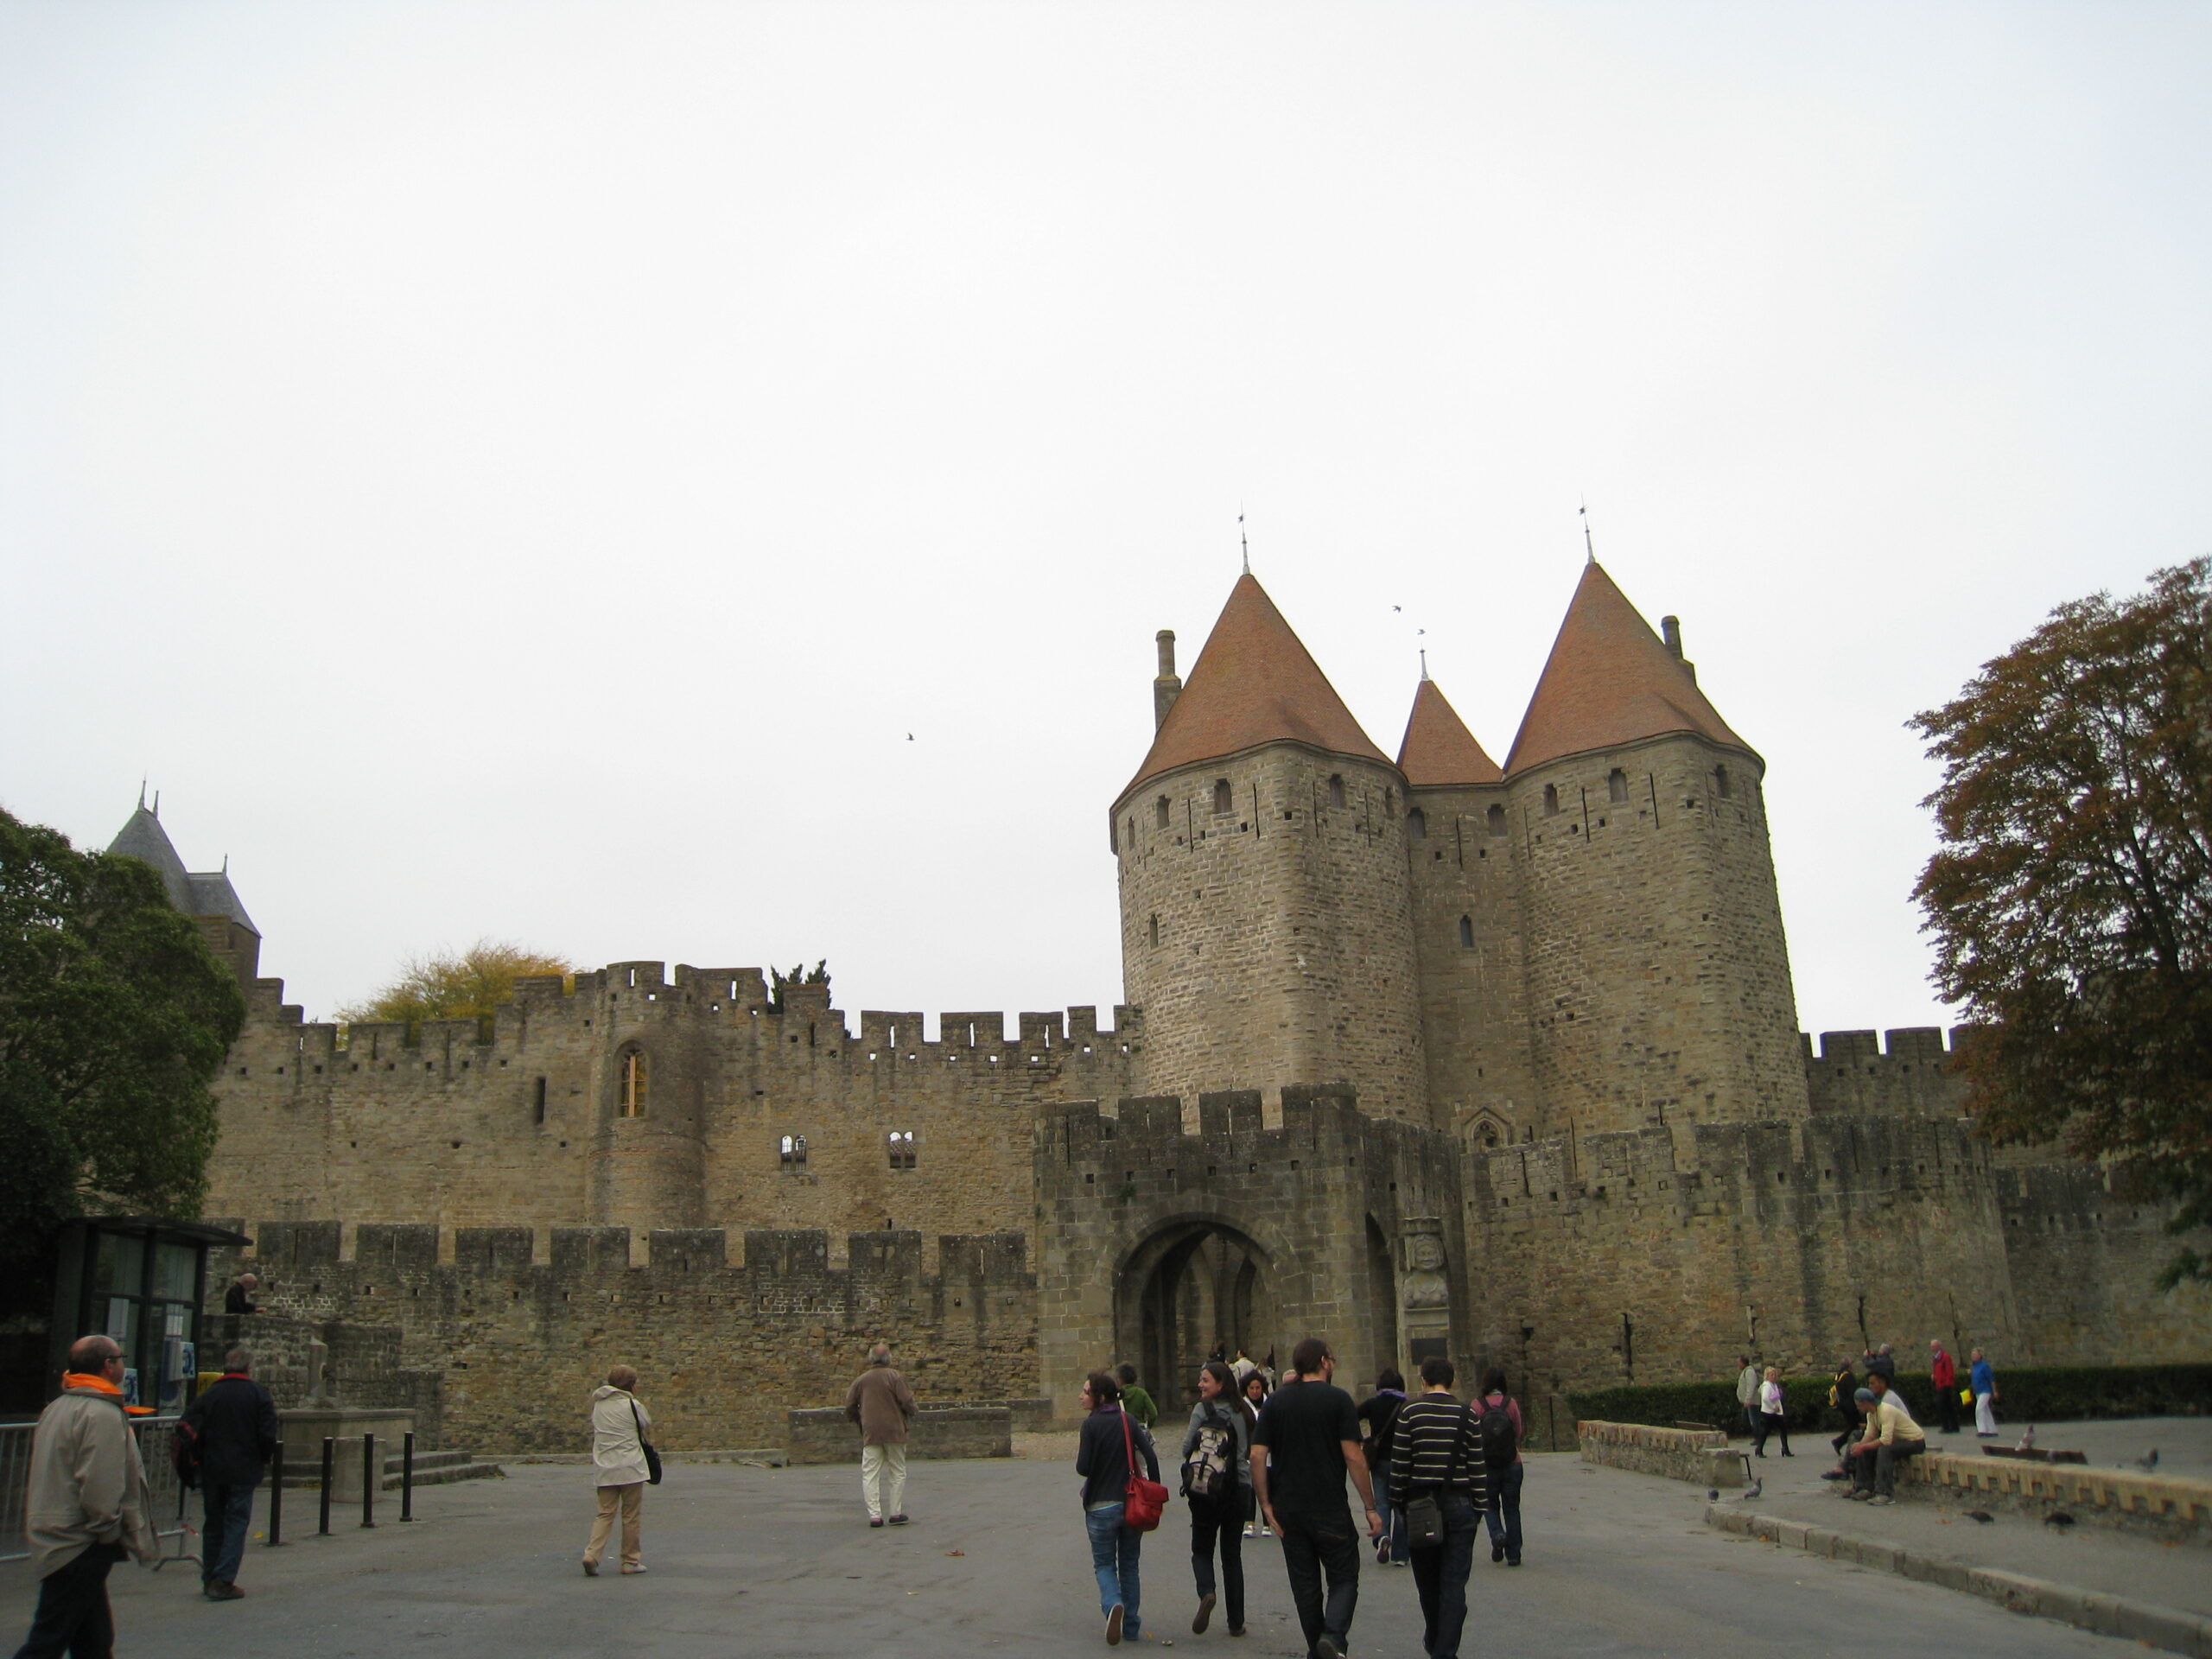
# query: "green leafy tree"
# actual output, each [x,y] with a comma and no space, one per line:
[2071,897]
[114,1017]
[455,985]
[779,981]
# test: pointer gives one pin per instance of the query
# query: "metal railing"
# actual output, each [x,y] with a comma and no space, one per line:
[165,1493]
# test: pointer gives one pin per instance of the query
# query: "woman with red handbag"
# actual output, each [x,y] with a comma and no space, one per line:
[1119,1505]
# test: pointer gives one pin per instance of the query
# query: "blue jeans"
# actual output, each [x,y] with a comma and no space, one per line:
[1506,1509]
[229,1519]
[1394,1522]
[1114,1558]
[1440,1576]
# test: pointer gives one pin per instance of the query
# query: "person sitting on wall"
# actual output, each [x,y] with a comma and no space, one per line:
[1891,1438]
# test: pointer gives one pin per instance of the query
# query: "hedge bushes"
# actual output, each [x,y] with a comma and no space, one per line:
[2054,1393]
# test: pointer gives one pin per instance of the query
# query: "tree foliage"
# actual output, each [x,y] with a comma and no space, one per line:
[2071,896]
[114,1019]
[779,981]
[455,985]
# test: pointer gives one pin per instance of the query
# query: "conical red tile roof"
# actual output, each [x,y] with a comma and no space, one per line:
[1254,682]
[1439,748]
[1610,680]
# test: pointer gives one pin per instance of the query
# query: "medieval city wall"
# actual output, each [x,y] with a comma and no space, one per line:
[723,1347]
[519,1120]
[1273,943]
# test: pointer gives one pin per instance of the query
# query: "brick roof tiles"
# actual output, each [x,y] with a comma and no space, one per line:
[1254,682]
[1439,748]
[1610,681]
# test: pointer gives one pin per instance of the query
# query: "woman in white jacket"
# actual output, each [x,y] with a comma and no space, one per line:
[617,1424]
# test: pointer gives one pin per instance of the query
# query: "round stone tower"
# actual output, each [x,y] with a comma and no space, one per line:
[1658,986]
[1266,916]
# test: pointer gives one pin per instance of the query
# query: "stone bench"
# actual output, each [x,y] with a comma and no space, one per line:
[2162,1506]
[824,1435]
[1700,1455]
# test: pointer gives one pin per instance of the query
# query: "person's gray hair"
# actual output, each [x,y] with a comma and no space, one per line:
[248,1279]
[879,1355]
[238,1360]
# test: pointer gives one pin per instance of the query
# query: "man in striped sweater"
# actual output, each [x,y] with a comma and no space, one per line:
[1437,1451]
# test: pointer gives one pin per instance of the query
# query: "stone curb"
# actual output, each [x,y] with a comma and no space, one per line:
[2169,1628]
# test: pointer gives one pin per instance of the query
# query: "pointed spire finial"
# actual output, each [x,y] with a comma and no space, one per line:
[1424,665]
[142,794]
[1244,541]
[1589,548]
[157,803]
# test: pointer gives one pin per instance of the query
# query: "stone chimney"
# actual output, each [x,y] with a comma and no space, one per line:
[1671,629]
[1168,687]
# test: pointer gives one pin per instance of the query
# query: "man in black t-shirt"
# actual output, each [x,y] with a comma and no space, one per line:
[1306,1441]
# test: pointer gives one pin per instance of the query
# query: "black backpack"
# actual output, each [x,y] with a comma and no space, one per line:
[1501,1442]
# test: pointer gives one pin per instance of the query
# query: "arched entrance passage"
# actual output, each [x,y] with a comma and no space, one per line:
[1193,1286]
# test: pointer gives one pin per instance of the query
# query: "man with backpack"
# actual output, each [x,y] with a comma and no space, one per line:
[1501,1431]
[226,1438]
[1440,1476]
[1217,1474]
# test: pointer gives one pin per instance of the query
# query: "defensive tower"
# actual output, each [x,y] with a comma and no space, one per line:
[1266,913]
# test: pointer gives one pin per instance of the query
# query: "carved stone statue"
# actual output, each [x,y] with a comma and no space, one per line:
[1424,1285]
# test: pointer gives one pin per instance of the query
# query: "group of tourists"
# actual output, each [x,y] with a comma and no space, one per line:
[1427,1470]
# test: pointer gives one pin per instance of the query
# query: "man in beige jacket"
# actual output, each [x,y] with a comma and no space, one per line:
[87,1505]
[880,1402]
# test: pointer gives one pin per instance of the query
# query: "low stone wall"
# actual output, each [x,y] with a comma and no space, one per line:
[2159,1505]
[1695,1454]
[824,1435]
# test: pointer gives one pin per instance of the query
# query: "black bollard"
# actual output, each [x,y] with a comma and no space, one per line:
[276,1502]
[407,1477]
[329,1475]
[371,1477]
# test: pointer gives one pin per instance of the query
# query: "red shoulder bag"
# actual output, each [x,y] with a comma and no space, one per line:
[1143,1501]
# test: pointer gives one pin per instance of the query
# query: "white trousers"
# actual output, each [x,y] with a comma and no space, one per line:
[883,1480]
[1985,1415]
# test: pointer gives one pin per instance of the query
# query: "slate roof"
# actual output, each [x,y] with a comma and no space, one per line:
[1439,748]
[209,893]
[1254,682]
[1610,681]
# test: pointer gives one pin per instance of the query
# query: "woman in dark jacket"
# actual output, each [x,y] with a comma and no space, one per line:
[1218,1517]
[1102,1458]
[1254,1396]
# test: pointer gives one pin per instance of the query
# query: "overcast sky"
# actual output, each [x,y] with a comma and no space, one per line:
[524,470]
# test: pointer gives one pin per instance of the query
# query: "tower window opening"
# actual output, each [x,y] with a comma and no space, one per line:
[1720,783]
[1159,813]
[1129,834]
[792,1150]
[1337,792]
[1496,819]
[1389,803]
[1616,784]
[1156,933]
[902,1148]
[1466,932]
[540,1104]
[635,1080]
[1417,824]
[1224,800]
[1551,800]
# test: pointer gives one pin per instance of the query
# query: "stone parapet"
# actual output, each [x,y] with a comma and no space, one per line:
[825,1435]
[1677,1453]
[2161,1505]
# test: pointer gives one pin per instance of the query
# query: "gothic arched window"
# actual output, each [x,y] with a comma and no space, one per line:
[1496,819]
[1617,785]
[1225,802]
[633,1078]
[1417,824]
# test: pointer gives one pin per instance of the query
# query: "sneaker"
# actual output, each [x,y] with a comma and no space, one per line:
[875,1520]
[1860,1497]
[1114,1626]
[1881,1497]
[1264,1533]
[591,1569]
[1513,1560]
[1325,1647]
[1237,1629]
[898,1519]
[1497,1551]
[222,1591]
[627,1569]
[1205,1614]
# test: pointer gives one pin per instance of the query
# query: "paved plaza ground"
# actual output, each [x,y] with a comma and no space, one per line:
[778,1561]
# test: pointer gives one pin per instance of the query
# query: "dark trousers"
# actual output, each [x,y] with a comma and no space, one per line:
[73,1615]
[1886,1460]
[1391,1546]
[1220,1520]
[1506,1509]
[228,1518]
[1851,1423]
[1440,1575]
[1947,1408]
[1771,1423]
[1314,1546]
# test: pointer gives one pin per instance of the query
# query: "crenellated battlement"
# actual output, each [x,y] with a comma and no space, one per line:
[1908,1069]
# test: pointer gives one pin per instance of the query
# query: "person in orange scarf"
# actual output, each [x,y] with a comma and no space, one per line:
[87,1507]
